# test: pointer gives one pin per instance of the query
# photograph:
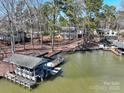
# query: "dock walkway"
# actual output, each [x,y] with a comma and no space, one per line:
[57,62]
[113,50]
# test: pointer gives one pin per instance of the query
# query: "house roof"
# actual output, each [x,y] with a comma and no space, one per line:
[102,30]
[24,60]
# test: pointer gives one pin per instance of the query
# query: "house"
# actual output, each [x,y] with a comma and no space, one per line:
[29,69]
[107,34]
[111,35]
[18,37]
[121,20]
[68,32]
[27,66]
[101,32]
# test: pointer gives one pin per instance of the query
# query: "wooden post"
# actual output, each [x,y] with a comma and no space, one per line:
[41,79]
[24,72]
[34,74]
[29,74]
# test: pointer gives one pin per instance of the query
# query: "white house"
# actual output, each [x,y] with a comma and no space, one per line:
[107,33]
[110,33]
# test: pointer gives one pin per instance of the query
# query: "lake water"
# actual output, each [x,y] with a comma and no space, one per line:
[89,72]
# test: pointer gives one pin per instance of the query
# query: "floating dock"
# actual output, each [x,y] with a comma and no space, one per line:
[55,62]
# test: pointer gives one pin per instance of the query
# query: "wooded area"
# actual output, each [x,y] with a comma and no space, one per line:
[43,18]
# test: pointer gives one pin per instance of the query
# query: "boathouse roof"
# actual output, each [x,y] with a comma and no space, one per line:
[25,61]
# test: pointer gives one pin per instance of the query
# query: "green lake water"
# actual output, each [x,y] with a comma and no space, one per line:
[89,72]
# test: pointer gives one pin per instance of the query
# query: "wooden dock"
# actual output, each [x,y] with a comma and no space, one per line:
[56,62]
[20,80]
[51,54]
[113,50]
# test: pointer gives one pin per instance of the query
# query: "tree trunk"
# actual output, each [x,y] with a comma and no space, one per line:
[69,34]
[12,38]
[23,40]
[76,32]
[32,43]
[52,41]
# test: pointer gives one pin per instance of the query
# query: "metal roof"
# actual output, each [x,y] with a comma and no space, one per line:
[25,61]
[102,30]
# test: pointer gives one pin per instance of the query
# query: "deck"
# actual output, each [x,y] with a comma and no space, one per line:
[57,62]
[118,44]
[20,80]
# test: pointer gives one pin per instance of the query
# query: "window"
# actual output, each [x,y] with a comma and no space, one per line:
[112,33]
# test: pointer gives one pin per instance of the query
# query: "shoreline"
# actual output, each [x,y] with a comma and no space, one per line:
[76,46]
[40,49]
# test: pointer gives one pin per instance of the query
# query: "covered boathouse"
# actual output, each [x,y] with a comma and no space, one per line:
[28,69]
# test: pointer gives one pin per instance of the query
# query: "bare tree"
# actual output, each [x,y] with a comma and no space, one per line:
[36,4]
[9,6]
[20,7]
